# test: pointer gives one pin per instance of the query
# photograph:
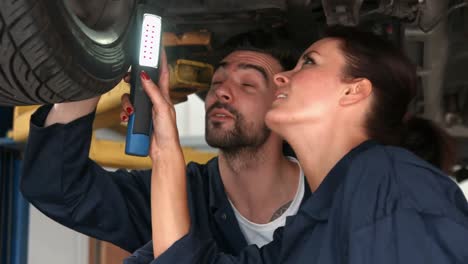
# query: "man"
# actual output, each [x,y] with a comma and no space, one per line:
[239,198]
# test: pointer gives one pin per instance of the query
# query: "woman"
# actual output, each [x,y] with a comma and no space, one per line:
[340,109]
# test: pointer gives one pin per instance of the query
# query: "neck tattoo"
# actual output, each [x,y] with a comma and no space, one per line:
[280,211]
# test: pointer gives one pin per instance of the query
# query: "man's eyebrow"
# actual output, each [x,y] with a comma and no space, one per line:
[260,69]
[221,65]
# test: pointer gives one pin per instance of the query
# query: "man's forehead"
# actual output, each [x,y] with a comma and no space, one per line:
[262,60]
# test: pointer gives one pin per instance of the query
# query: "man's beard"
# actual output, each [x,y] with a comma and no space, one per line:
[242,136]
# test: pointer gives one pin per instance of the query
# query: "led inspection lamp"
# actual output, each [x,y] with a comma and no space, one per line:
[148,33]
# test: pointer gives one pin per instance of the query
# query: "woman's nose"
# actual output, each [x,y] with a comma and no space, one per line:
[280,79]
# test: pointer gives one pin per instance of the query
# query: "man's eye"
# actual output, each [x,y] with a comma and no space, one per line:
[247,85]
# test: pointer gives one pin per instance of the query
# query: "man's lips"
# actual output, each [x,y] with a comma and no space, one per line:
[220,114]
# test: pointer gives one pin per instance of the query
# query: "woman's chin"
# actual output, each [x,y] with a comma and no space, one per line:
[275,120]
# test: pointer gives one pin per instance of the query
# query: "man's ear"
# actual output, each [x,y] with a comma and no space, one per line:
[356,91]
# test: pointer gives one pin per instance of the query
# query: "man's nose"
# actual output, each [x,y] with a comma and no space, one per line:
[223,92]
[280,79]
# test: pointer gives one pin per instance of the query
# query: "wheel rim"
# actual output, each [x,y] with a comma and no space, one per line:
[103,21]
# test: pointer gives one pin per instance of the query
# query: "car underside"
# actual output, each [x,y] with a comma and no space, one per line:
[66,50]
[433,33]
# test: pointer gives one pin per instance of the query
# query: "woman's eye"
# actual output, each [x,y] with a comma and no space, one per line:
[308,60]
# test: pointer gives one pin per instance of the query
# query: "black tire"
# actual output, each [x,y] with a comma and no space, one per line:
[46,57]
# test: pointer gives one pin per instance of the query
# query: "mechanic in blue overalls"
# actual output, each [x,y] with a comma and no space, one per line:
[239,198]
[341,108]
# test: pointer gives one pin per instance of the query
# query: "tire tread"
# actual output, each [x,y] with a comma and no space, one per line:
[35,65]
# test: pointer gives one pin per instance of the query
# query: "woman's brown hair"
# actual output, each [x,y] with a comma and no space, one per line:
[394,83]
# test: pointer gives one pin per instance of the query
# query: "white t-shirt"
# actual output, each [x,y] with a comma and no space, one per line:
[261,234]
[464,186]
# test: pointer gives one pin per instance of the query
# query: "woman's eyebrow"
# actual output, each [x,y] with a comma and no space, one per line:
[306,55]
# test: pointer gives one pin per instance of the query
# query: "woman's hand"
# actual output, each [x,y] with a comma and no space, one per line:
[170,217]
[169,206]
[165,134]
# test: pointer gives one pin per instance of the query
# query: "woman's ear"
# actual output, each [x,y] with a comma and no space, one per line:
[356,92]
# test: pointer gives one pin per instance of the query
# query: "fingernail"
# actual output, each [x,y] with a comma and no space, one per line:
[129,110]
[145,76]
[124,118]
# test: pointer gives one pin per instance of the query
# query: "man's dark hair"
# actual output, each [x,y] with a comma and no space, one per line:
[285,57]
[268,43]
